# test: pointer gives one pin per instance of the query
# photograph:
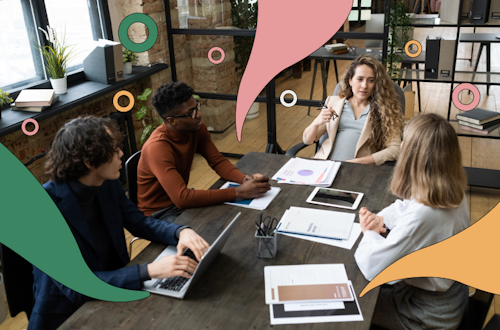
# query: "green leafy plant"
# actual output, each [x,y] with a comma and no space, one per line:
[244,16]
[4,98]
[399,26]
[57,53]
[128,56]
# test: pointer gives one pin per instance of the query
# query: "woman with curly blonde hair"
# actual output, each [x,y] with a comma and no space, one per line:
[364,122]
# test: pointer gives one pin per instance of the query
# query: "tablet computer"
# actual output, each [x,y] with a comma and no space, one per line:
[336,198]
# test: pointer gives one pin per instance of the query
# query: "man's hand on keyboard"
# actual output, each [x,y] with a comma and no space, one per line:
[170,266]
[191,240]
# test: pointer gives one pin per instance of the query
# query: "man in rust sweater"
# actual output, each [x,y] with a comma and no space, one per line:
[167,156]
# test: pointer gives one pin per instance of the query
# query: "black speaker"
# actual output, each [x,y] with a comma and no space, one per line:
[432,58]
[479,11]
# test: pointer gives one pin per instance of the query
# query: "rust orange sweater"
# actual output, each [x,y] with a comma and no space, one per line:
[164,166]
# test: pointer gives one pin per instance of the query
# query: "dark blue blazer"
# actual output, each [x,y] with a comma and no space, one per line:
[55,302]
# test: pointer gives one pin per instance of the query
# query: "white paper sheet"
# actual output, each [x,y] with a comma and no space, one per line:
[260,203]
[344,244]
[336,315]
[314,306]
[301,275]
[308,172]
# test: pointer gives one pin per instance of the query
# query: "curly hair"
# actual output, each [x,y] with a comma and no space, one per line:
[169,97]
[83,140]
[429,167]
[386,118]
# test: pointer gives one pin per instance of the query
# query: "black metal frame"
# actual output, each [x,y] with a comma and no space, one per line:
[270,99]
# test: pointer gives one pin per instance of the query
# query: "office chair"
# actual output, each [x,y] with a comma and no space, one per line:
[476,311]
[296,148]
[18,280]
[131,177]
[494,323]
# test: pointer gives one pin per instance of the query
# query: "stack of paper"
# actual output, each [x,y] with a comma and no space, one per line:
[310,294]
[322,226]
[260,203]
[319,173]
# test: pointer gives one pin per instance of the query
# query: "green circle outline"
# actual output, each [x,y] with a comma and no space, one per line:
[138,18]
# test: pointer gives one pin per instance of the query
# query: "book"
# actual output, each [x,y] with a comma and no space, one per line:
[33,108]
[316,223]
[343,51]
[480,127]
[478,116]
[35,97]
[336,47]
[484,131]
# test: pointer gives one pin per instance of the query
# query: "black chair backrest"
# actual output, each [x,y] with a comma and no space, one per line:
[494,323]
[131,175]
[18,280]
[476,311]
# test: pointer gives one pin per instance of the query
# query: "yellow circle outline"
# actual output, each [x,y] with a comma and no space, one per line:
[407,48]
[119,107]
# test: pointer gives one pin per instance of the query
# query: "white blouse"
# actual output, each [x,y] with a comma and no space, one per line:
[413,226]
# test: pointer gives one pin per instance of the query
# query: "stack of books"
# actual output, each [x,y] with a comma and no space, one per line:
[479,120]
[34,100]
[337,49]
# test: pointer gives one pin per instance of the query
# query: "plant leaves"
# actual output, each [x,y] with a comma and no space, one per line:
[147,92]
[146,133]
[143,110]
[196,97]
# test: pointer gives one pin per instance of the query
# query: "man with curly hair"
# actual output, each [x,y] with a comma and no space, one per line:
[84,166]
[167,156]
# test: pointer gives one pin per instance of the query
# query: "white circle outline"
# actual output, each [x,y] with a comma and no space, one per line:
[282,98]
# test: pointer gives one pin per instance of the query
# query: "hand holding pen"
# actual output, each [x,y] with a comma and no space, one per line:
[327,114]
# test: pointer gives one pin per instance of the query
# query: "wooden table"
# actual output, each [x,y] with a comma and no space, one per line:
[230,295]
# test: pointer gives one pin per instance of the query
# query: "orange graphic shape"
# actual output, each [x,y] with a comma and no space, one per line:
[129,96]
[466,257]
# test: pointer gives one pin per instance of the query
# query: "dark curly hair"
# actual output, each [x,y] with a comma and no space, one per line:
[169,97]
[84,139]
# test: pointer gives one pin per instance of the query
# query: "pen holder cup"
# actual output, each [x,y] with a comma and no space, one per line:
[267,246]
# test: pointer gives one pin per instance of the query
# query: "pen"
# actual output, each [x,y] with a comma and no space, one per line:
[264,235]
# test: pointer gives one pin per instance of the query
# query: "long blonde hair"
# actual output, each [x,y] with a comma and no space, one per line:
[429,167]
[386,118]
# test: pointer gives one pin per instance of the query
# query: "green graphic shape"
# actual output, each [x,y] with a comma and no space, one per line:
[32,226]
[138,18]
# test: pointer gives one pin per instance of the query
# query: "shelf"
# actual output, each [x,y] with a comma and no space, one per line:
[79,92]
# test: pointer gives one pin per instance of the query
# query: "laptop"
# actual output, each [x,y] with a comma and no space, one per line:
[178,286]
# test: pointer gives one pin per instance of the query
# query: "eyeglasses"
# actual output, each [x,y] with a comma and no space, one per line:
[193,113]
[323,106]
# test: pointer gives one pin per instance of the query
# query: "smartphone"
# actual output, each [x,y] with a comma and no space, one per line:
[336,198]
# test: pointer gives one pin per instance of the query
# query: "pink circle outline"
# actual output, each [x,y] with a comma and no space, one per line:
[222,55]
[30,120]
[475,93]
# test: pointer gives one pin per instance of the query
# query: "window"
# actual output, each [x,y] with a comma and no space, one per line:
[21,65]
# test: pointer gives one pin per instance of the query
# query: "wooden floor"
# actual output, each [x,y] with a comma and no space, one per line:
[291,122]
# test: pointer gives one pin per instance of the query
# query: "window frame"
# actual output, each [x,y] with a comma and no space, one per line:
[36,13]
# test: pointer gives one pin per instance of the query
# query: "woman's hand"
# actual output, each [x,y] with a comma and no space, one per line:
[170,266]
[370,221]
[324,117]
[188,238]
[362,160]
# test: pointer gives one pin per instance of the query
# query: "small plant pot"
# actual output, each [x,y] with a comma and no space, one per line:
[127,67]
[60,85]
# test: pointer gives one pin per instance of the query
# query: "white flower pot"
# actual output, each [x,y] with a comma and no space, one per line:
[127,67]
[254,111]
[60,85]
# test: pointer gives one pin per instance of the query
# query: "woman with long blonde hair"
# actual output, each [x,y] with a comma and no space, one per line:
[431,181]
[364,121]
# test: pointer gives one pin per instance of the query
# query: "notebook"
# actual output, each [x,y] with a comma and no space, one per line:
[478,116]
[316,223]
[35,97]
[179,291]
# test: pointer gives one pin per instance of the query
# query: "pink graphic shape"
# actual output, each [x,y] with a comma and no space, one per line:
[280,41]
[25,131]
[475,100]
[222,55]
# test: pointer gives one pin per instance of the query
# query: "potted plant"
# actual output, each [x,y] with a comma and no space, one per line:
[128,58]
[57,55]
[244,16]
[5,101]
[399,29]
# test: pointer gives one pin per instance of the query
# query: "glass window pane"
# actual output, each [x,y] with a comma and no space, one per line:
[18,62]
[75,19]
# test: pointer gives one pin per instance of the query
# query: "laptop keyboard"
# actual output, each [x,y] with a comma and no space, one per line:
[175,283]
